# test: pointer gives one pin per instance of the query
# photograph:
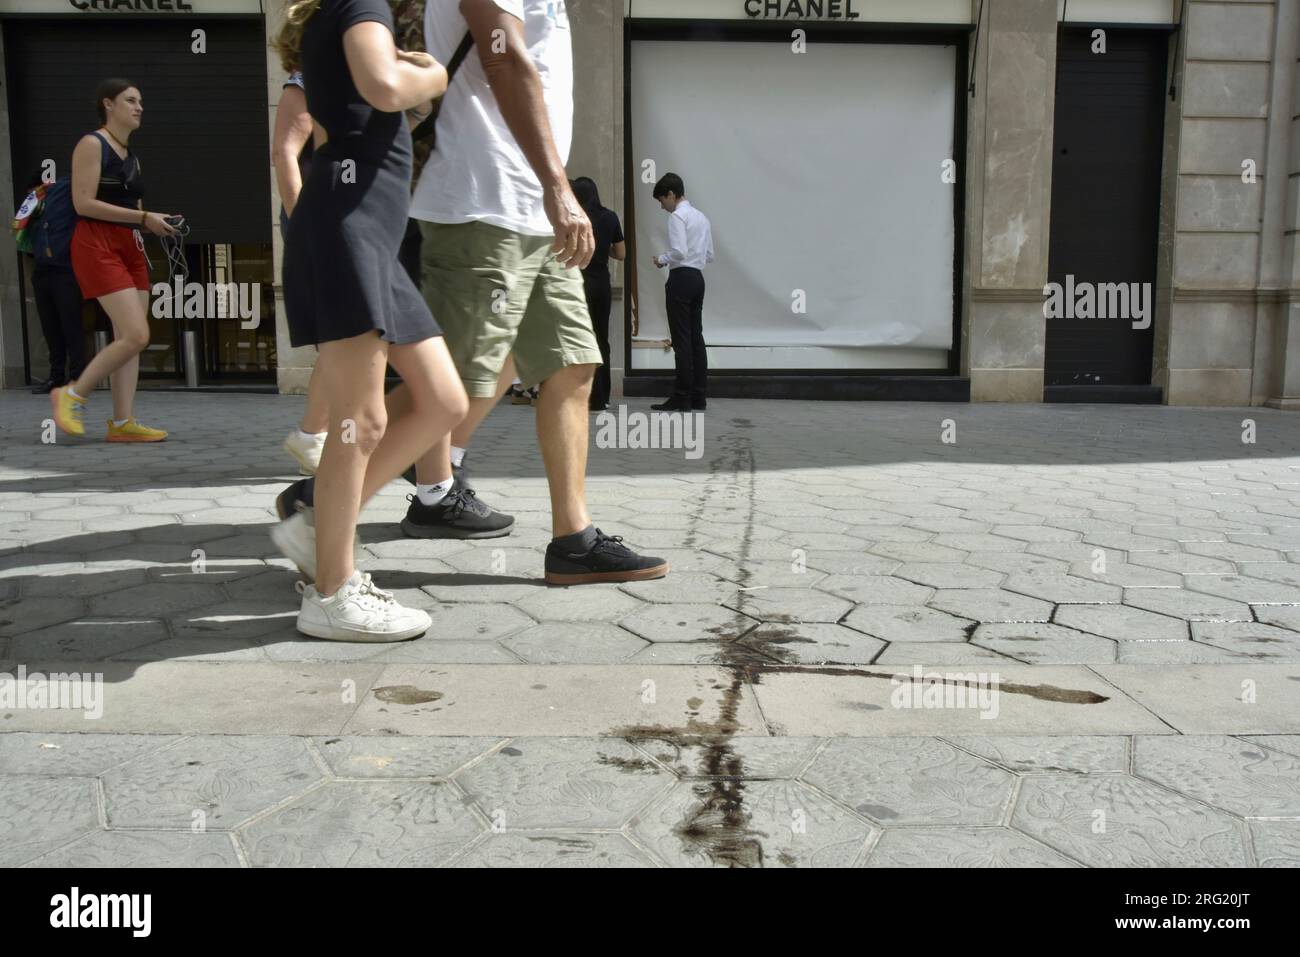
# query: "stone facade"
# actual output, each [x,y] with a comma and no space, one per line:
[1227,324]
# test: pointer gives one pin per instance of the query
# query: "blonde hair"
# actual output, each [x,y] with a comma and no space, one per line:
[288,41]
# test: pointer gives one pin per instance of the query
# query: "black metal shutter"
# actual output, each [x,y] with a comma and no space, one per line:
[1109,133]
[203,146]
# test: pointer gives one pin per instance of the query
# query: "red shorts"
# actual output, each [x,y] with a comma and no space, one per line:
[105,258]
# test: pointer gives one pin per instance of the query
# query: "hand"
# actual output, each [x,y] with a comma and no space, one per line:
[417,57]
[658,264]
[574,242]
[157,224]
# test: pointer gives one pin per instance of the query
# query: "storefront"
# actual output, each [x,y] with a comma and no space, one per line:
[824,140]
[201,67]
[894,186]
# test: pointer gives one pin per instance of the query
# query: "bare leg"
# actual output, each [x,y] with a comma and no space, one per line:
[421,411]
[128,310]
[316,417]
[562,423]
[435,466]
[353,378]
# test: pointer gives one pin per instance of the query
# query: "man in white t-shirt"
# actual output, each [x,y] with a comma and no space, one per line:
[502,241]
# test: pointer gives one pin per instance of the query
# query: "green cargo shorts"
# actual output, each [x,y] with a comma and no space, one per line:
[495,292]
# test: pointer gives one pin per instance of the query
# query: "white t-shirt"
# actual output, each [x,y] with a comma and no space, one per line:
[478,171]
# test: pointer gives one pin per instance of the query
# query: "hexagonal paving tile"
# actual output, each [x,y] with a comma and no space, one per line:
[1243,588]
[550,849]
[30,614]
[1250,638]
[1045,644]
[734,823]
[225,777]
[571,642]
[813,644]
[87,639]
[155,600]
[1121,622]
[876,589]
[356,756]
[911,781]
[588,603]
[676,623]
[1113,820]
[1223,772]
[564,783]
[990,604]
[475,622]
[39,814]
[688,587]
[364,824]
[962,847]
[1081,754]
[162,849]
[1188,605]
[908,623]
[793,605]
[1062,589]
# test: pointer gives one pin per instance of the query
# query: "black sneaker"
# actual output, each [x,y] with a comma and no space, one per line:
[286,503]
[699,405]
[459,515]
[673,404]
[608,561]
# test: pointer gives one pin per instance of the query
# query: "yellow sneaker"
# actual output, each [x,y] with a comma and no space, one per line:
[133,431]
[67,411]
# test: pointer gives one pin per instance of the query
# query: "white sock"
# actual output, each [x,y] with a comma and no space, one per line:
[73,392]
[120,422]
[310,436]
[457,456]
[433,494]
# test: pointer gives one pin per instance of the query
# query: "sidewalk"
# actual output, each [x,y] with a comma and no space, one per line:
[1070,637]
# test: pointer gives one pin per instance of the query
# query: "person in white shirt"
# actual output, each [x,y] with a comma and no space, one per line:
[690,249]
[502,240]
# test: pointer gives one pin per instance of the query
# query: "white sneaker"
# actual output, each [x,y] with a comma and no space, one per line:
[358,611]
[306,452]
[295,537]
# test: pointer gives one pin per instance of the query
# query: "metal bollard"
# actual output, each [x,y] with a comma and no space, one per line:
[101,343]
[190,342]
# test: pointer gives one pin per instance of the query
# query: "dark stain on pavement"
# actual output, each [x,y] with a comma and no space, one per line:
[406,694]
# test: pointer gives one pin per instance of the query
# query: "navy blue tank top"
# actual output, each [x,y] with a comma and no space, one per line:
[120,183]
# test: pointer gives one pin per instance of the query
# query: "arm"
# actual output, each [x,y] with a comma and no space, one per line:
[676,242]
[389,81]
[293,128]
[618,251]
[85,186]
[518,92]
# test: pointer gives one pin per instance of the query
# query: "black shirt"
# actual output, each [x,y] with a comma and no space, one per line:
[355,128]
[608,231]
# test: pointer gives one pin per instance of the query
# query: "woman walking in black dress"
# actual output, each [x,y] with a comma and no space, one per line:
[346,292]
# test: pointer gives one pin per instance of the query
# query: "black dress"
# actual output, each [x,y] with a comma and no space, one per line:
[342,277]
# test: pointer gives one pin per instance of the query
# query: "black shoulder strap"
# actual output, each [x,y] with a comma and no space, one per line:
[426,126]
[457,58]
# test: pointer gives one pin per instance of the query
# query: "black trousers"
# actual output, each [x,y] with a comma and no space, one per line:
[685,295]
[58,303]
[599,299]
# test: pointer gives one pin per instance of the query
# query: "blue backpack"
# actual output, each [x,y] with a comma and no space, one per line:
[52,241]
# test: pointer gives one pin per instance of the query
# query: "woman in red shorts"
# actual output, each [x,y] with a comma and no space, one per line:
[108,261]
